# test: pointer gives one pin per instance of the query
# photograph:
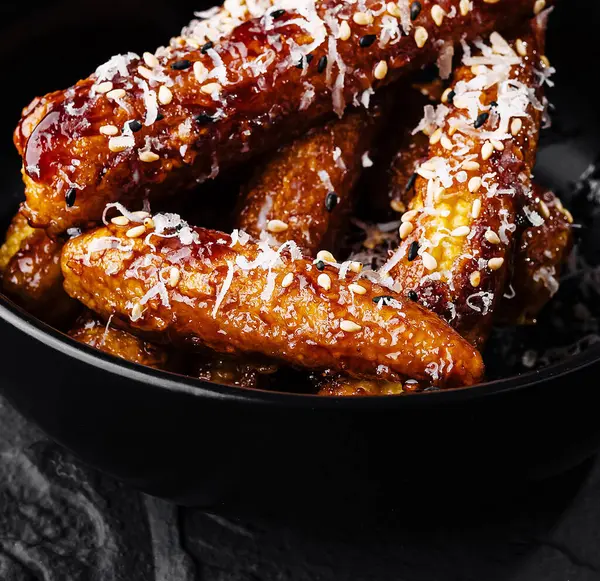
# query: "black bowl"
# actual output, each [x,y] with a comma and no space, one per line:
[211,445]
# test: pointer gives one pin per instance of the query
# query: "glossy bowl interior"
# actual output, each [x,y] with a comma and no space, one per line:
[207,444]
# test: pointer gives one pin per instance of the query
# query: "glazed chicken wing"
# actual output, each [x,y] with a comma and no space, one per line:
[161,123]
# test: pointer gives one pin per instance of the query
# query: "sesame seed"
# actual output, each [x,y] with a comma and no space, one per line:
[481,119]
[413,251]
[492,237]
[144,72]
[381,70]
[331,201]
[70,197]
[362,18]
[116,144]
[322,64]
[324,281]
[136,231]
[439,193]
[110,130]
[498,145]
[421,36]
[356,266]
[394,9]
[446,95]
[460,232]
[150,60]
[545,61]
[521,47]
[409,216]
[437,13]
[277,13]
[349,326]
[475,278]
[474,184]
[415,10]
[325,256]
[200,72]
[357,289]
[539,6]
[412,295]
[276,226]
[148,156]
[181,65]
[435,137]
[471,165]
[174,276]
[116,94]
[429,262]
[476,209]
[288,279]
[120,221]
[495,263]
[446,142]
[452,130]
[397,206]
[149,223]
[141,215]
[165,96]
[345,32]
[320,265]
[136,312]
[206,46]
[405,229]
[465,7]
[210,88]
[382,299]
[367,40]
[516,126]
[105,87]
[568,215]
[487,150]
[544,209]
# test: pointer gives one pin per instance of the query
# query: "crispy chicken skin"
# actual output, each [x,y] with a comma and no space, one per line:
[251,299]
[90,330]
[18,231]
[220,103]
[304,191]
[458,237]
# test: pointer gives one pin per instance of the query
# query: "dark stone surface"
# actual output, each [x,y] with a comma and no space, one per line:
[61,521]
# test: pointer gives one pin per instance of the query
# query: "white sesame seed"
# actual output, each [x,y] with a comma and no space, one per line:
[356,267]
[174,276]
[276,226]
[421,36]
[288,279]
[394,9]
[349,326]
[136,231]
[465,7]
[545,61]
[200,72]
[357,289]
[429,262]
[544,209]
[516,126]
[568,215]
[109,130]
[136,312]
[362,18]
[120,221]
[381,70]
[521,47]
[149,223]
[165,96]
[409,216]
[437,13]
[452,130]
[446,95]
[476,209]
[461,231]
[492,237]
[446,142]
[148,156]
[324,281]
[498,145]
[397,206]
[150,60]
[474,184]
[325,256]
[495,263]
[144,72]
[471,165]
[475,278]
[116,94]
[105,87]
[405,229]
[539,6]
[141,215]
[435,138]
[117,144]
[210,88]
[344,32]
[487,150]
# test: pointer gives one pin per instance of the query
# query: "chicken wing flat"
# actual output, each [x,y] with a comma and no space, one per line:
[458,237]
[161,123]
[197,286]
[91,331]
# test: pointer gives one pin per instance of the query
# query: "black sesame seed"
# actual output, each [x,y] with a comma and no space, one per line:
[203,119]
[451,96]
[70,197]
[309,58]
[367,40]
[135,126]
[320,265]
[410,184]
[206,46]
[494,104]
[331,201]
[322,64]
[181,65]
[277,13]
[381,298]
[413,251]
[412,295]
[415,10]
[160,117]
[481,119]
[300,64]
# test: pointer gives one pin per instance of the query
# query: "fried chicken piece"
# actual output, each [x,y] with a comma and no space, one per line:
[458,237]
[18,231]
[200,287]
[91,331]
[159,124]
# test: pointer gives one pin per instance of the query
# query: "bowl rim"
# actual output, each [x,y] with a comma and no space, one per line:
[149,378]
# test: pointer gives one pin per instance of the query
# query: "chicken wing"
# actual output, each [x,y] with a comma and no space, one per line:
[161,123]
[201,287]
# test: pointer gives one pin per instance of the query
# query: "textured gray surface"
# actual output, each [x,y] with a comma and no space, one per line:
[61,521]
